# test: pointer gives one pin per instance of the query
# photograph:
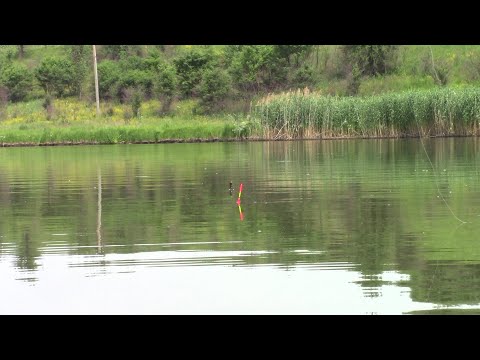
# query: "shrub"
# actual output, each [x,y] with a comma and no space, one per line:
[79,56]
[166,85]
[117,52]
[214,87]
[371,59]
[248,65]
[136,103]
[18,80]
[136,78]
[55,75]
[303,76]
[268,67]
[109,74]
[190,67]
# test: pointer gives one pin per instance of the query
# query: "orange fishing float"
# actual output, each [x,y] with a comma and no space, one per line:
[240,193]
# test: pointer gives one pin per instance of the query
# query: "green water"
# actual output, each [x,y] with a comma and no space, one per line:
[324,227]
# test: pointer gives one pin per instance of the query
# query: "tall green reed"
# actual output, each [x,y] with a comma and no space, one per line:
[436,112]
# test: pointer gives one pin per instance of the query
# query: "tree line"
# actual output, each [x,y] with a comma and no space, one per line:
[217,76]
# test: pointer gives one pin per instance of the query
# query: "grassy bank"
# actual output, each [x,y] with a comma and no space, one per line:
[442,111]
[114,134]
[435,112]
[70,121]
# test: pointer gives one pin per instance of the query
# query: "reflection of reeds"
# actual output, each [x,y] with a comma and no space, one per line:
[305,114]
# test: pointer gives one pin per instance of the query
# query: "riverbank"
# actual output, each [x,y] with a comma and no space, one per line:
[210,140]
[439,112]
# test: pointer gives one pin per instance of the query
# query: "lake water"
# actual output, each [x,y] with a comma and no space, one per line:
[323,227]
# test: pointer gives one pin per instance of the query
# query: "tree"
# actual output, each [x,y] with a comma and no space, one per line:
[80,57]
[55,75]
[166,85]
[117,52]
[109,74]
[248,65]
[265,67]
[371,59]
[190,66]
[292,53]
[18,81]
[214,88]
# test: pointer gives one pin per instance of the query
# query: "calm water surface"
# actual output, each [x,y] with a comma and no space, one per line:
[324,227]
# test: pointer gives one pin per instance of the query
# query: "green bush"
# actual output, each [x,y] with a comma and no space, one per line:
[117,52]
[56,75]
[136,78]
[166,85]
[136,103]
[190,67]
[80,56]
[116,77]
[9,52]
[18,80]
[303,76]
[371,59]
[248,65]
[293,54]
[268,67]
[109,74]
[214,88]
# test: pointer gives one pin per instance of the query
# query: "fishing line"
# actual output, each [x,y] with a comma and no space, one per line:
[435,178]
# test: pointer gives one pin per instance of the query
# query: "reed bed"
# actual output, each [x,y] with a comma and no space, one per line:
[305,114]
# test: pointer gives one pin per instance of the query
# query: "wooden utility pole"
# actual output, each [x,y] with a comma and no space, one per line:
[96,79]
[99,212]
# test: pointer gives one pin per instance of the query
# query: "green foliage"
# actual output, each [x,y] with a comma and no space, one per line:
[439,69]
[80,56]
[190,67]
[113,52]
[378,85]
[303,76]
[166,81]
[249,65]
[213,89]
[115,77]
[353,80]
[166,85]
[254,70]
[439,112]
[471,66]
[153,60]
[371,59]
[136,103]
[269,67]
[135,79]
[242,127]
[8,53]
[117,52]
[109,73]
[56,75]
[294,54]
[17,79]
